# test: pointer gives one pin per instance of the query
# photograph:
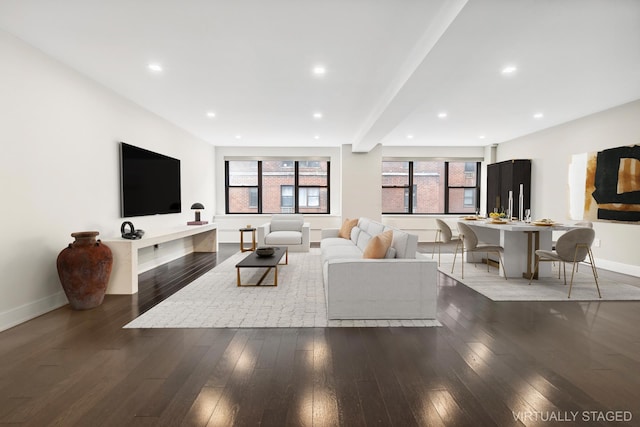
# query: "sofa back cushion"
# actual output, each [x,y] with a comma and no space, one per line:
[405,244]
[355,232]
[363,240]
[378,245]
[287,222]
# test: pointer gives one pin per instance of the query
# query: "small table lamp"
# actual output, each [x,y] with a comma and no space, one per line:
[197,207]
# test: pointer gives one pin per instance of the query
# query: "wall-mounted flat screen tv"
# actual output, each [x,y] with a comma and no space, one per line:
[150,182]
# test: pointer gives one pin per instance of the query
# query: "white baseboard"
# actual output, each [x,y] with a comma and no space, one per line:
[15,316]
[618,267]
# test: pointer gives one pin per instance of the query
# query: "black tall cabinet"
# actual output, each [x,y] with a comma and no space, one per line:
[507,176]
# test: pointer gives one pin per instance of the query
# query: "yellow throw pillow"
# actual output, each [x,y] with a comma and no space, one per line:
[347,225]
[378,245]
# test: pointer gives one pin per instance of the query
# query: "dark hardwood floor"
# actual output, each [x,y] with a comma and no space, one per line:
[491,364]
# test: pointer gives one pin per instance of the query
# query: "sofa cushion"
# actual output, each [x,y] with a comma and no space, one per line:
[347,225]
[283,238]
[375,228]
[363,240]
[378,245]
[334,241]
[391,253]
[340,253]
[355,232]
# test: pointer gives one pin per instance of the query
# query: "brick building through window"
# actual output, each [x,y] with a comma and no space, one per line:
[430,187]
[277,186]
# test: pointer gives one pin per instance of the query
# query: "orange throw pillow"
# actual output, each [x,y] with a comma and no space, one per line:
[378,245]
[347,225]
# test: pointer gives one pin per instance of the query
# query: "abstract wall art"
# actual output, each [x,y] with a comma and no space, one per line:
[612,185]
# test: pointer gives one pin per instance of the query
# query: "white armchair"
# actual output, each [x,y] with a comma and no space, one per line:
[286,230]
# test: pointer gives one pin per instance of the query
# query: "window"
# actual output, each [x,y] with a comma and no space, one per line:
[286,196]
[309,197]
[430,187]
[469,198]
[253,197]
[271,186]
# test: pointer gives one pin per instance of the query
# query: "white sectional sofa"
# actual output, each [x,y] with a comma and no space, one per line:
[400,286]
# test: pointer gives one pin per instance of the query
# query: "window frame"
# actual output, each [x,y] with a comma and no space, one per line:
[411,189]
[296,187]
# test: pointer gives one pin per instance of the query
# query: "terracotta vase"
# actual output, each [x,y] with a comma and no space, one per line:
[84,268]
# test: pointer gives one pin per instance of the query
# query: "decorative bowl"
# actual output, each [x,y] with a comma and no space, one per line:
[265,251]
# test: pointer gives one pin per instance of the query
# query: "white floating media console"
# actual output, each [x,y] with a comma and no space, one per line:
[124,275]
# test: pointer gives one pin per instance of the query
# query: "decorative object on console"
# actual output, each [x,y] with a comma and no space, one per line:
[84,268]
[265,251]
[197,207]
[132,234]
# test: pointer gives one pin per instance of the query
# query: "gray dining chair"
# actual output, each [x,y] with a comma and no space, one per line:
[574,247]
[469,243]
[443,235]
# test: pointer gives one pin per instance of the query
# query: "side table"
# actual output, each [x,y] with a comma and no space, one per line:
[253,239]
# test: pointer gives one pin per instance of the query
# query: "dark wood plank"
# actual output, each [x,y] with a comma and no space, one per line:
[489,361]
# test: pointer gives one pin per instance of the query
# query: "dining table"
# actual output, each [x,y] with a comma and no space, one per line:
[519,240]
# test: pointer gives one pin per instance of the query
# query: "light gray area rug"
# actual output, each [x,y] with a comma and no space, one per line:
[214,301]
[551,288]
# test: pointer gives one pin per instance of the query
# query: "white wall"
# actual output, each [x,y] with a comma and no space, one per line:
[362,183]
[551,151]
[59,171]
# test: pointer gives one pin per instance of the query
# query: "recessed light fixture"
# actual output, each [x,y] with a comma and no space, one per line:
[238,136]
[442,115]
[538,115]
[481,136]
[211,114]
[410,136]
[155,67]
[316,137]
[319,70]
[509,69]
[317,115]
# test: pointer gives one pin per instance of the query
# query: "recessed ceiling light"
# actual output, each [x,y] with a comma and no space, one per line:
[211,114]
[316,137]
[442,115]
[238,136]
[317,115]
[410,136]
[156,68]
[510,69]
[481,136]
[319,70]
[538,115]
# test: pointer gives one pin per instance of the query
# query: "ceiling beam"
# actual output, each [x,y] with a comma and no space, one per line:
[399,99]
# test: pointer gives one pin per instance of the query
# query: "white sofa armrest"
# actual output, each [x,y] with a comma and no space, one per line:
[263,230]
[326,233]
[306,237]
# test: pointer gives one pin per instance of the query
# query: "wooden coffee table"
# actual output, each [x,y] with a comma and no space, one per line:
[271,262]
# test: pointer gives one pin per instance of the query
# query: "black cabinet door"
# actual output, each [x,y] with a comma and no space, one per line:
[507,176]
[493,187]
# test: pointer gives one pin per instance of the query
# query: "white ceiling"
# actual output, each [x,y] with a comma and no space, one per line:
[392,66]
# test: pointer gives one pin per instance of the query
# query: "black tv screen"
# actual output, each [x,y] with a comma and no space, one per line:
[150,182]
